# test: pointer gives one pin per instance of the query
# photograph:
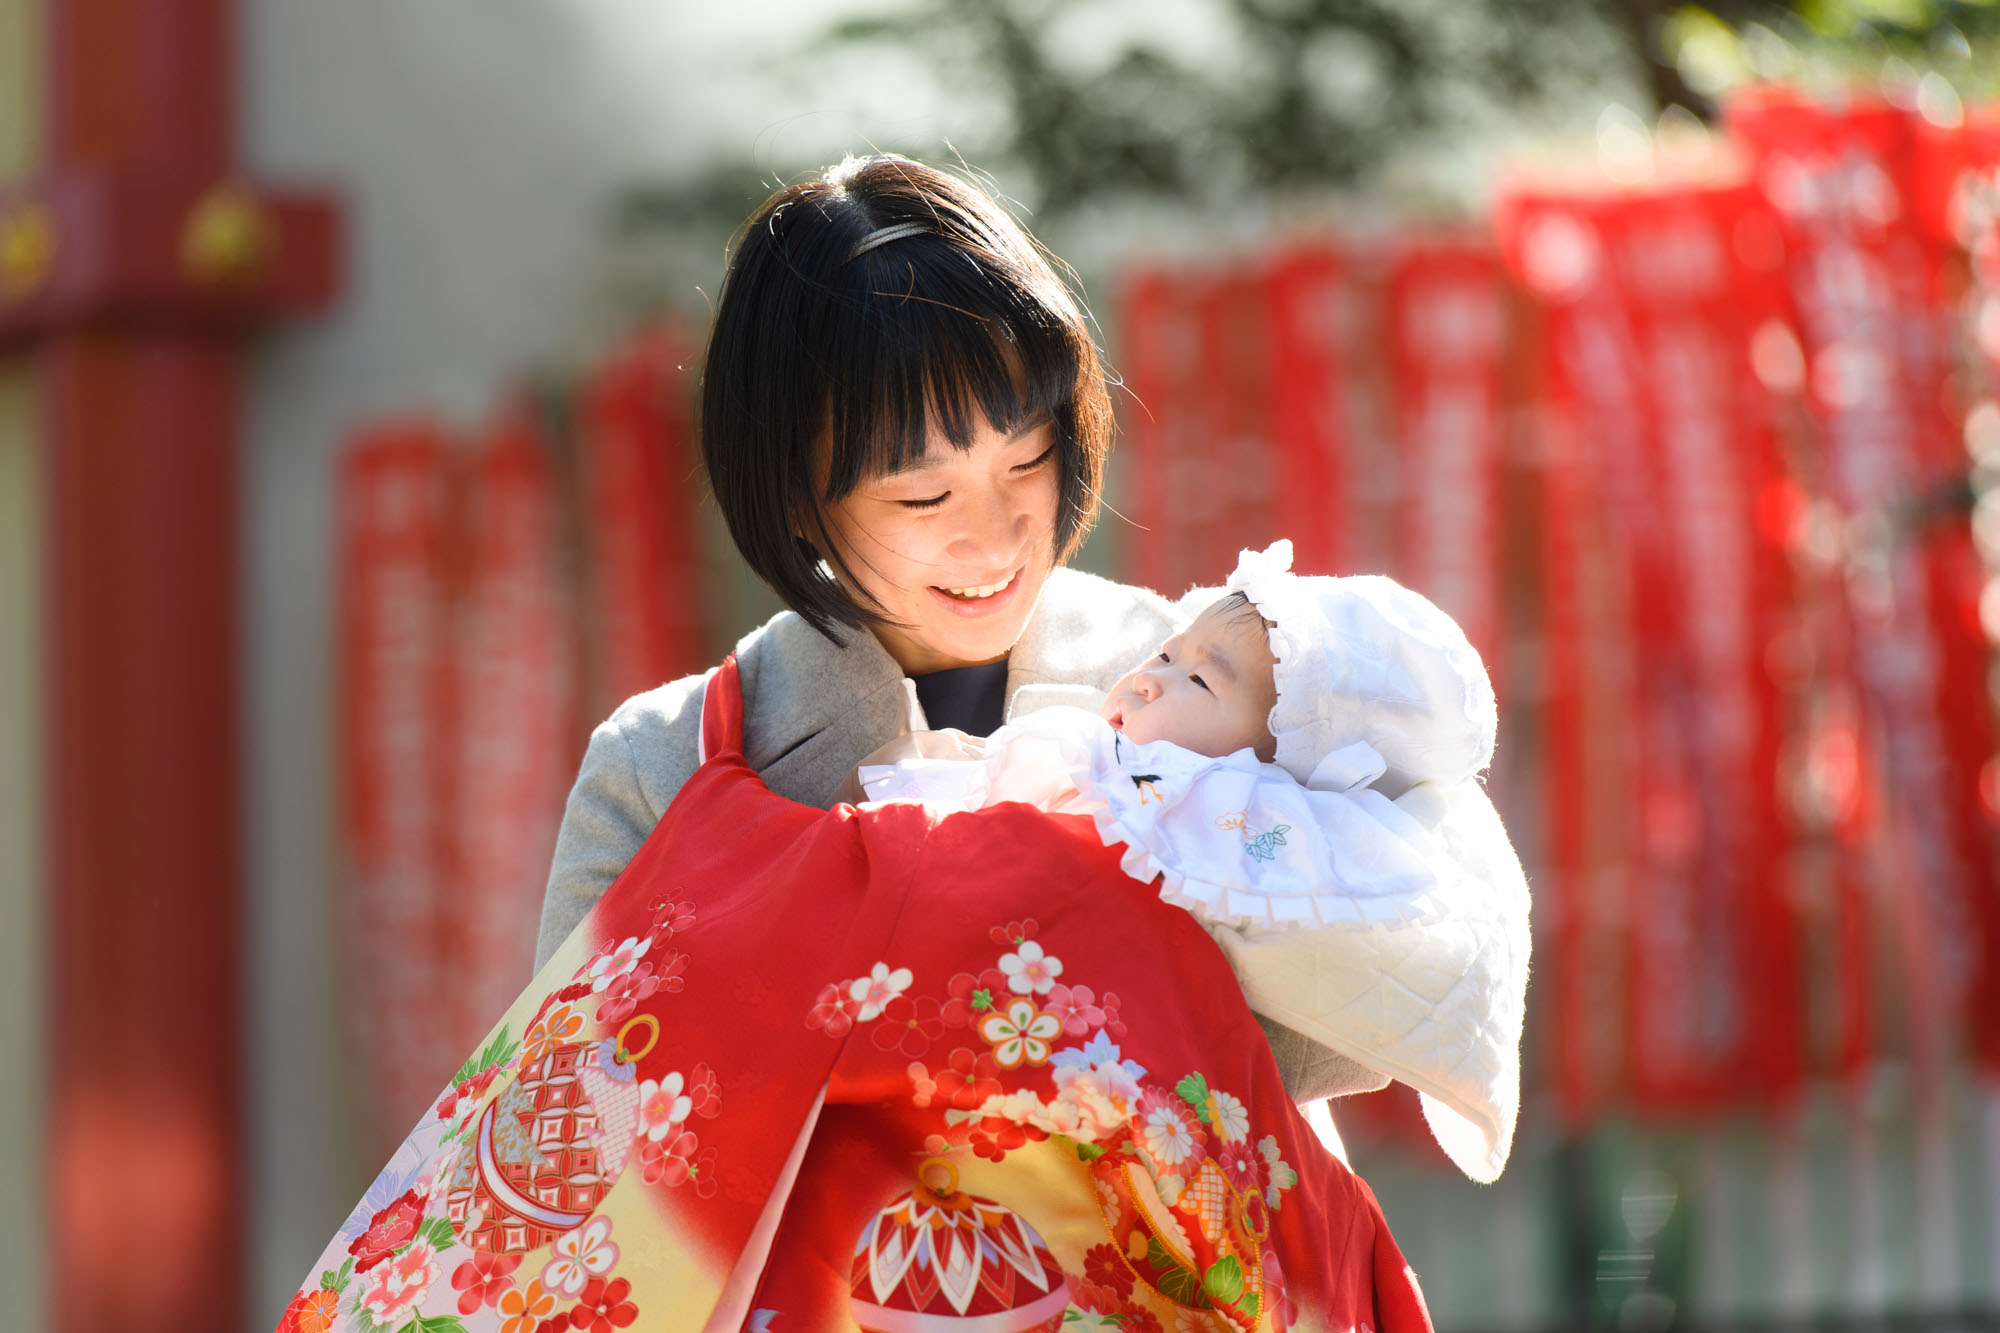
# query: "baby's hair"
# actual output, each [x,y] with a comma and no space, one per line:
[1237,604]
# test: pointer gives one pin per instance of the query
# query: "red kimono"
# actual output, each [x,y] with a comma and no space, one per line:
[878,1069]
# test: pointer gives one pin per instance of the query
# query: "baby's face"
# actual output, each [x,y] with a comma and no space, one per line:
[1209,690]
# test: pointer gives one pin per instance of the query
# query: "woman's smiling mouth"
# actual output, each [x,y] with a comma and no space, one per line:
[980,591]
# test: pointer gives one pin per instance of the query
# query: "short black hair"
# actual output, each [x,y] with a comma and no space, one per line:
[813,340]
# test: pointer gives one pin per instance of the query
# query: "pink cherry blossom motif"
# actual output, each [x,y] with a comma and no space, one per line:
[1019,1034]
[669,919]
[874,991]
[662,1106]
[1030,971]
[834,1010]
[396,1288]
[617,961]
[579,1256]
[1076,1007]
[680,1160]
[622,996]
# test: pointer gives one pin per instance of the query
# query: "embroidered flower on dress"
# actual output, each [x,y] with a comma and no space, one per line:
[661,1106]
[1029,970]
[834,1010]
[704,1090]
[1014,932]
[617,961]
[1282,1176]
[969,996]
[387,1231]
[909,1026]
[523,1309]
[1103,1265]
[1076,1006]
[1229,1115]
[670,918]
[579,1256]
[483,1279]
[622,996]
[967,1079]
[874,991]
[604,1307]
[398,1286]
[1167,1127]
[1244,1167]
[311,1312]
[1020,1034]
[558,1027]
[1112,1023]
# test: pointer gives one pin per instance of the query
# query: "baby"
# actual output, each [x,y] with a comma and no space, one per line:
[1298,768]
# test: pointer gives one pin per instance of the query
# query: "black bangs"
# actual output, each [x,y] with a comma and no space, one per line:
[926,341]
[864,312]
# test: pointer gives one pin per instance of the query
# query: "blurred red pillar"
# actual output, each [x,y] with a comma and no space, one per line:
[135,265]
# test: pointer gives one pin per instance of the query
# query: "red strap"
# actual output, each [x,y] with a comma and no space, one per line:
[722,711]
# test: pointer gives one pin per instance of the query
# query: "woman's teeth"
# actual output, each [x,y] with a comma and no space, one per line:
[982,590]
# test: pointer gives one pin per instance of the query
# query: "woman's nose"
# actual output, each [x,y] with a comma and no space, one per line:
[995,528]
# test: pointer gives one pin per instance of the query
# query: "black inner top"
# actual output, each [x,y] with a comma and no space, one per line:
[972,699]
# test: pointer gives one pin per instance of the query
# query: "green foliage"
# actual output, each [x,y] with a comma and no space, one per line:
[1223,1283]
[1194,1091]
[1294,95]
[496,1052]
[1175,1282]
[433,1323]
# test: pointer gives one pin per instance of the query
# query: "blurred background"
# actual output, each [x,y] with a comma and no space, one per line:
[346,481]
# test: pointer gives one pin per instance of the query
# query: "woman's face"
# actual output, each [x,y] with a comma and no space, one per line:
[956,548]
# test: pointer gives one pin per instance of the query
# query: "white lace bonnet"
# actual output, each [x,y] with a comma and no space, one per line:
[1374,681]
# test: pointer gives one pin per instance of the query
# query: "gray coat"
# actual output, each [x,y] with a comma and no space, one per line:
[814,709]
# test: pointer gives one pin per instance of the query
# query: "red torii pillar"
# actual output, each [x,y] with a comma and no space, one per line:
[132,269]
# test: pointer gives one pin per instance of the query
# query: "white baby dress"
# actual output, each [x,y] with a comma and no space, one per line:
[1393,932]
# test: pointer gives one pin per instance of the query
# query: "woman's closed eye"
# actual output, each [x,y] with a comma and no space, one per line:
[1045,456]
[1035,464]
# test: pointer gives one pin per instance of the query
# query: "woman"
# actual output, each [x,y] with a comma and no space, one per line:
[877,1069]
[905,423]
